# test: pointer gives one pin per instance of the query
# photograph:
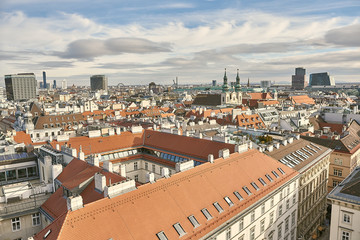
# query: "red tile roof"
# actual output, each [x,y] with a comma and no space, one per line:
[302,99]
[22,137]
[152,208]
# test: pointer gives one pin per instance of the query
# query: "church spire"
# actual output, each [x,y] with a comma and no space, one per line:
[248,85]
[225,87]
[237,85]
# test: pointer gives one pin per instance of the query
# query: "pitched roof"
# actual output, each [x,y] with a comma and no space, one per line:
[22,137]
[207,100]
[39,121]
[253,121]
[302,99]
[172,200]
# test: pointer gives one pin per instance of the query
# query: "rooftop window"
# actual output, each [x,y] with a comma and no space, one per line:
[161,236]
[218,207]
[237,194]
[193,221]
[275,174]
[179,229]
[282,171]
[247,190]
[206,214]
[228,200]
[255,186]
[262,181]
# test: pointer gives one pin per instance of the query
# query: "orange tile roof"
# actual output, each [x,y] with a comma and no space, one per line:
[253,121]
[302,99]
[22,137]
[172,200]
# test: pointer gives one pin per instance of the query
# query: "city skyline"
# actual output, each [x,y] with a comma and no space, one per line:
[136,42]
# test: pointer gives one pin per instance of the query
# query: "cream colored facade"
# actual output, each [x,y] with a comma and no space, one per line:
[20,227]
[312,196]
[272,218]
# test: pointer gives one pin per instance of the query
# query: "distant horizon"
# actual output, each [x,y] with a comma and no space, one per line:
[140,41]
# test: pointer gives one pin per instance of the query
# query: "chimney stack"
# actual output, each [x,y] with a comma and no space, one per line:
[211,158]
[100,182]
[74,203]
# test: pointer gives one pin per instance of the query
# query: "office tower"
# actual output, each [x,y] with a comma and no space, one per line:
[54,85]
[64,84]
[98,82]
[298,80]
[321,79]
[44,79]
[214,83]
[20,86]
[265,84]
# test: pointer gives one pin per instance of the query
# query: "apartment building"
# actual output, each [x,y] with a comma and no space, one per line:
[209,201]
[312,162]
[346,155]
[345,208]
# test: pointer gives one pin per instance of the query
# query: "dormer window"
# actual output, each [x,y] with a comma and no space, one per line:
[45,126]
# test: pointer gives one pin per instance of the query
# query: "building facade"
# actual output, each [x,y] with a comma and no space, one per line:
[321,79]
[298,81]
[98,82]
[20,86]
[345,208]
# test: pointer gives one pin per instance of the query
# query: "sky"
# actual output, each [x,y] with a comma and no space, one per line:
[140,41]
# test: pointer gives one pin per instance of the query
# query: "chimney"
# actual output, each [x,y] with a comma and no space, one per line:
[73,152]
[122,170]
[119,188]
[277,145]
[211,158]
[224,153]
[150,177]
[241,148]
[200,135]
[184,165]
[290,140]
[260,149]
[57,146]
[270,148]
[108,166]
[95,160]
[187,133]
[74,203]
[100,182]
[165,173]
[297,137]
[284,142]
[81,154]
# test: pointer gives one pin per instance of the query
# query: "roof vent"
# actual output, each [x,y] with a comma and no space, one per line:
[211,158]
[150,177]
[119,188]
[184,165]
[224,153]
[241,148]
[74,203]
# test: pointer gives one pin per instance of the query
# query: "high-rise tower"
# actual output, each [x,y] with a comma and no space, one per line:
[298,81]
[44,80]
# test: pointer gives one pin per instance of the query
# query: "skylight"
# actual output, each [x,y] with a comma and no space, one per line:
[228,200]
[179,229]
[218,207]
[269,178]
[262,181]
[282,171]
[193,221]
[255,186]
[237,194]
[161,235]
[275,174]
[206,214]
[247,190]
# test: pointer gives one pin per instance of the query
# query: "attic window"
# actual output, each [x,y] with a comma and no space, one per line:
[262,181]
[45,126]
[179,229]
[206,214]
[237,194]
[193,221]
[255,186]
[247,190]
[228,200]
[161,235]
[282,171]
[218,207]
[269,178]
[275,174]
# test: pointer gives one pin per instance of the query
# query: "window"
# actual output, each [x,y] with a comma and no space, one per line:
[272,202]
[262,225]
[237,194]
[255,186]
[262,181]
[193,221]
[242,237]
[337,172]
[252,216]
[269,177]
[179,229]
[228,200]
[275,174]
[346,218]
[335,183]
[263,208]
[11,174]
[287,204]
[252,233]
[22,173]
[15,222]
[153,168]
[36,219]
[136,178]
[241,224]
[293,218]
[135,165]
[218,207]
[338,161]
[293,234]
[271,218]
[206,214]
[287,220]
[282,171]
[280,231]
[228,234]
[247,190]
[161,235]
[294,198]
[345,235]
[146,166]
[280,209]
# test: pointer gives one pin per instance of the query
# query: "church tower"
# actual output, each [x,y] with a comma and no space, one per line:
[225,86]
[237,85]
